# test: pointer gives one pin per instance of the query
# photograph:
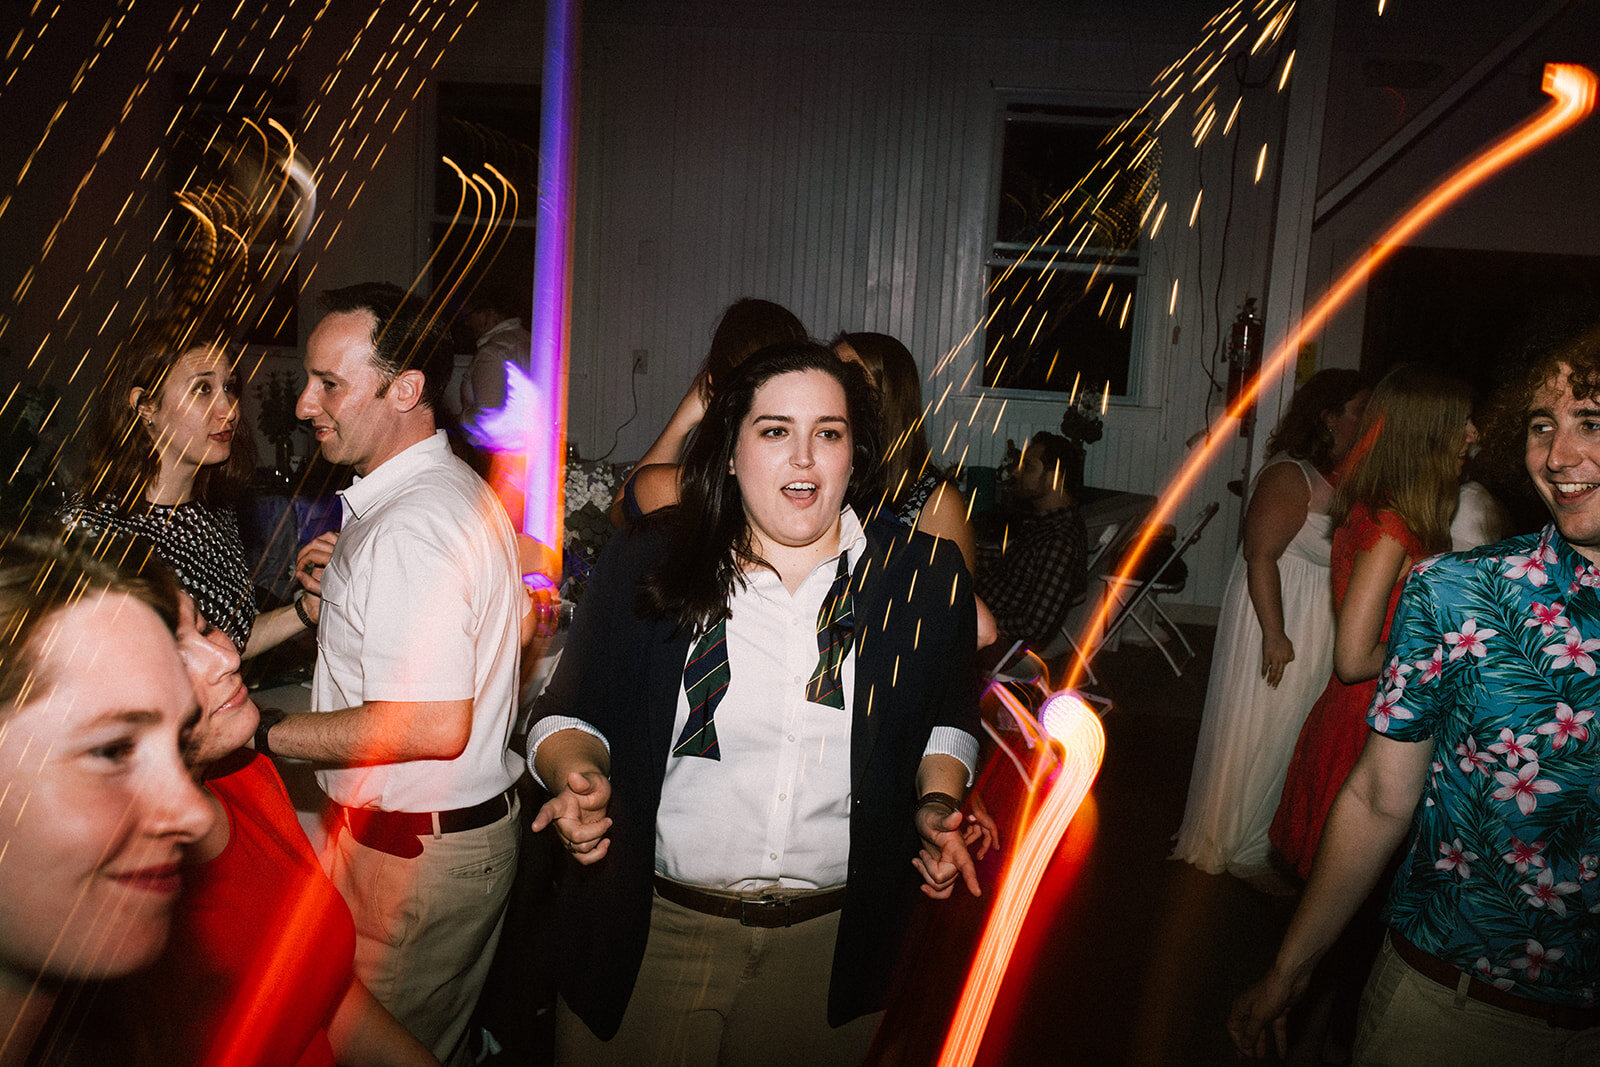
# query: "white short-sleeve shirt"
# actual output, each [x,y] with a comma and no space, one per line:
[421,602]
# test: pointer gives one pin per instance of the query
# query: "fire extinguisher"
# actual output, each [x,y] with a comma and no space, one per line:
[1244,358]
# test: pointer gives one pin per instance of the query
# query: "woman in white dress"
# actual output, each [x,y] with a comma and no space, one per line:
[1274,636]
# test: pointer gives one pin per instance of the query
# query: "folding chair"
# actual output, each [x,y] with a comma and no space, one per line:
[1130,593]
[1108,537]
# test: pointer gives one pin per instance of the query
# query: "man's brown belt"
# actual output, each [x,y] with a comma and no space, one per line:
[768,909]
[1449,975]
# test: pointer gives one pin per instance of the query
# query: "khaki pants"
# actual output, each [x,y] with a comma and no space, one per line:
[711,991]
[426,928]
[1407,1019]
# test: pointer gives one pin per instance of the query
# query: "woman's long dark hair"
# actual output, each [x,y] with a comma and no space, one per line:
[1301,433]
[711,544]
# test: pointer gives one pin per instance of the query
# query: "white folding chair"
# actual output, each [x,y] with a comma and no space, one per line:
[1131,592]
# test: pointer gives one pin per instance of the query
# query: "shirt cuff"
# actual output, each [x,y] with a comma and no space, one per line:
[540,731]
[943,741]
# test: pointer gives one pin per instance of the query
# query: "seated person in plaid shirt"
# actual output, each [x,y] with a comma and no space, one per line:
[1036,573]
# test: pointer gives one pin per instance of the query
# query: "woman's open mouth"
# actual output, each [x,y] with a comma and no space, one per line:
[801,492]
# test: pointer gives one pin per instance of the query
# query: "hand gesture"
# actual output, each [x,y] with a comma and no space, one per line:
[1277,651]
[578,813]
[1265,1004]
[944,855]
[981,828]
[312,558]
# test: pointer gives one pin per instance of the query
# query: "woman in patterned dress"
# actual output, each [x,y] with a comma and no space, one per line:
[169,453]
[1392,508]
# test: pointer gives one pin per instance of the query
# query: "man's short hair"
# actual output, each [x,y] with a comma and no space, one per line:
[409,334]
[1058,454]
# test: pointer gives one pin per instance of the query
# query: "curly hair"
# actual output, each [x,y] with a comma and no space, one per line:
[122,454]
[1565,342]
[1407,454]
[1302,433]
[712,545]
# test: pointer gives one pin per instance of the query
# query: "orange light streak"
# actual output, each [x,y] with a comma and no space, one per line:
[1572,91]
[1083,747]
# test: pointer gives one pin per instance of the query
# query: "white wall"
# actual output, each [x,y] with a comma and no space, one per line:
[843,165]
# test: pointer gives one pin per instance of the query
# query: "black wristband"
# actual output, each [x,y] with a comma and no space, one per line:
[943,799]
[270,717]
[300,610]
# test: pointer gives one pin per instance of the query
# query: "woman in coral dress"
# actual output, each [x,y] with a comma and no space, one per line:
[1392,508]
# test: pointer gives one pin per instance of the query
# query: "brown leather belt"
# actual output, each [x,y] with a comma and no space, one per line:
[766,908]
[399,833]
[1449,975]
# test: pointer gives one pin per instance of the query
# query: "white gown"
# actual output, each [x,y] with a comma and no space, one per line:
[1249,729]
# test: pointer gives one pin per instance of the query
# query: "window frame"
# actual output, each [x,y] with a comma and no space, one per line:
[1113,108]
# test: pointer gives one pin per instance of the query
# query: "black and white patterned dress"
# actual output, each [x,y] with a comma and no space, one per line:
[200,543]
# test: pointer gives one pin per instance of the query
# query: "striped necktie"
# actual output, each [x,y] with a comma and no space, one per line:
[835,630]
[705,680]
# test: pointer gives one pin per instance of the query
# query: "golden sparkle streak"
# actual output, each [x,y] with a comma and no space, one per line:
[1572,91]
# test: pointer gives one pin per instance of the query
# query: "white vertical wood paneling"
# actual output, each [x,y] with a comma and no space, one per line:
[847,174]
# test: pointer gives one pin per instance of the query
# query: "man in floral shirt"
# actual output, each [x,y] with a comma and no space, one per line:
[1486,750]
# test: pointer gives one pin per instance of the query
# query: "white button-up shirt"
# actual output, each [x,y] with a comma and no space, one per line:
[775,809]
[420,602]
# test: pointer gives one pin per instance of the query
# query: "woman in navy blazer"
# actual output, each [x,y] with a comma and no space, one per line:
[785,444]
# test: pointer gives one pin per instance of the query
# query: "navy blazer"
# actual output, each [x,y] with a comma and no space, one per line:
[623,672]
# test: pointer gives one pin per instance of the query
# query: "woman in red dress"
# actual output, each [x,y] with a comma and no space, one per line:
[1392,508]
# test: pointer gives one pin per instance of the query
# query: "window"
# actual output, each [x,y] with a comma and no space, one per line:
[1066,260]
[476,240]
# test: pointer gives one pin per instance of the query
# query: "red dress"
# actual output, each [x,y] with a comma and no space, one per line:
[262,943]
[1336,729]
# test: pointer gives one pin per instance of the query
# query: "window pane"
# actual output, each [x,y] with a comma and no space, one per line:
[1072,205]
[1048,330]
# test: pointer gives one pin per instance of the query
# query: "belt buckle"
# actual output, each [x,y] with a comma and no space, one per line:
[762,908]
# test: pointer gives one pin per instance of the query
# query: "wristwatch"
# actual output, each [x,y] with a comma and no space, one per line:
[270,717]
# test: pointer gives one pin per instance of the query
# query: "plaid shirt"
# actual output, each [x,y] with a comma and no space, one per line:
[1031,582]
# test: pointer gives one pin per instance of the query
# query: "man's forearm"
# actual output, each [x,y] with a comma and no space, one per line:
[379,731]
[1363,830]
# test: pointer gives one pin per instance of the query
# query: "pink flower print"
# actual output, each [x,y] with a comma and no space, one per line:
[1546,892]
[1495,976]
[1431,668]
[1513,748]
[1386,706]
[1455,858]
[1537,959]
[1424,565]
[1567,723]
[1588,867]
[1573,651]
[1524,855]
[1525,786]
[1589,575]
[1394,675]
[1471,639]
[1471,758]
[1531,567]
[1547,617]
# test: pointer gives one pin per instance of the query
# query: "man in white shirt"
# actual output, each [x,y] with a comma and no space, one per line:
[417,659]
[502,342]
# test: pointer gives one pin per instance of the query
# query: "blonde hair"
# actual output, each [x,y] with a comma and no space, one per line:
[1406,457]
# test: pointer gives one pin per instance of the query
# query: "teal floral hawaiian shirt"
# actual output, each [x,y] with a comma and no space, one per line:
[1493,656]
